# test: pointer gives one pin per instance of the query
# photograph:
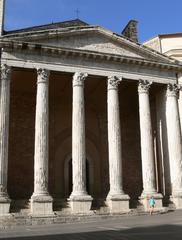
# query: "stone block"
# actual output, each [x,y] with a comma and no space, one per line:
[41,205]
[4,208]
[80,204]
[118,203]
[4,205]
[177,200]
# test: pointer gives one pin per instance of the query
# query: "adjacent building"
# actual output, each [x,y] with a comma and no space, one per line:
[168,44]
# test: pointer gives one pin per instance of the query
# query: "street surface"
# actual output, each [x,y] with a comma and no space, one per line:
[166,226]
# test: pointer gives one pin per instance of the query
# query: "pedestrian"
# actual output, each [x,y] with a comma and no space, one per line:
[151,204]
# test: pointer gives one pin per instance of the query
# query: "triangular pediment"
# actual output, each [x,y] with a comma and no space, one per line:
[91,41]
[89,38]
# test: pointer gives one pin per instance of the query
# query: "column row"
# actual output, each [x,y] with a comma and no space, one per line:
[41,201]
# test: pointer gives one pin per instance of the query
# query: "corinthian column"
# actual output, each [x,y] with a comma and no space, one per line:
[79,198]
[174,143]
[41,201]
[4,134]
[117,200]
[147,148]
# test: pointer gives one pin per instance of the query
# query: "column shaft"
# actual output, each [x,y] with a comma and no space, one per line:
[146,138]
[4,129]
[78,136]
[147,148]
[41,135]
[117,200]
[114,137]
[174,139]
[79,198]
[41,155]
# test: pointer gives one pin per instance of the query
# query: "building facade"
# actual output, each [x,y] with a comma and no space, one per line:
[168,44]
[88,119]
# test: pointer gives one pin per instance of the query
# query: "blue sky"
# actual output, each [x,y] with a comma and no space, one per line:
[154,16]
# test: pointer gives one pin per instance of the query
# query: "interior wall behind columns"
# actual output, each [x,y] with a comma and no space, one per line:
[21,134]
[162,143]
[130,139]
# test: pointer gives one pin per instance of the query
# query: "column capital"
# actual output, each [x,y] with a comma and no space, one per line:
[42,75]
[173,90]
[5,72]
[113,82]
[144,86]
[79,78]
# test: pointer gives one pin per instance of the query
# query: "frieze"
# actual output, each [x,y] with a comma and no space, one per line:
[144,86]
[79,78]
[113,82]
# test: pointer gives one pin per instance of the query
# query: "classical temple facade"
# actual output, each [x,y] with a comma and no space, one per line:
[88,119]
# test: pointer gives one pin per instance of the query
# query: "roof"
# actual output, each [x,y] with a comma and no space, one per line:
[28,36]
[65,24]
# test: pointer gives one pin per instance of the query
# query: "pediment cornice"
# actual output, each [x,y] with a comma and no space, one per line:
[81,30]
[20,46]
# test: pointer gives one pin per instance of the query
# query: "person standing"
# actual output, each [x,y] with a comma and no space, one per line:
[152,205]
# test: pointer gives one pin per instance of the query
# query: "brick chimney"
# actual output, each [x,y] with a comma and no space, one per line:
[130,31]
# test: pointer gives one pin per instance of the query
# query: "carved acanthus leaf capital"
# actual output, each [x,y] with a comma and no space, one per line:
[42,75]
[5,72]
[173,90]
[144,86]
[113,82]
[79,78]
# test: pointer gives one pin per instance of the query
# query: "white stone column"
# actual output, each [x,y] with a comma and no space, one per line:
[147,148]
[180,98]
[79,199]
[117,200]
[41,201]
[4,135]
[174,143]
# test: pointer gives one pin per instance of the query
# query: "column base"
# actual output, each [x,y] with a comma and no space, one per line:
[176,198]
[4,205]
[118,203]
[80,204]
[144,199]
[41,205]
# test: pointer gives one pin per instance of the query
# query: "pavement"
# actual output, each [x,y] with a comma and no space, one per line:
[166,226]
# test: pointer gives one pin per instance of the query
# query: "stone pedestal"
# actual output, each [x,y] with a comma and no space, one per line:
[174,143]
[41,201]
[117,200]
[177,200]
[147,148]
[118,204]
[80,201]
[80,204]
[41,205]
[4,135]
[144,199]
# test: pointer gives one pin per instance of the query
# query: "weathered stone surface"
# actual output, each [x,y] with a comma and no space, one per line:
[80,201]
[40,200]
[174,141]
[116,193]
[4,137]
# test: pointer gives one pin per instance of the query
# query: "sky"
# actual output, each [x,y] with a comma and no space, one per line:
[154,16]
